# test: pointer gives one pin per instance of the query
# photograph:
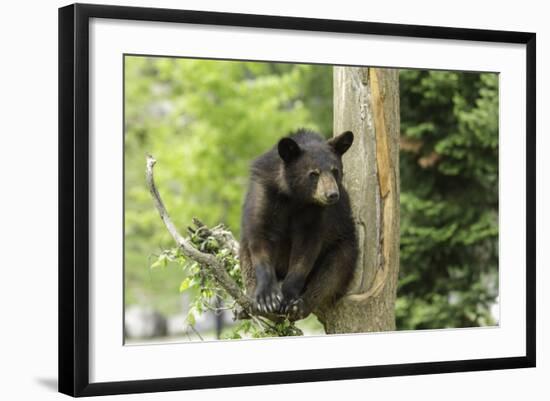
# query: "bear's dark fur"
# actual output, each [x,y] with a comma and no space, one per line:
[298,242]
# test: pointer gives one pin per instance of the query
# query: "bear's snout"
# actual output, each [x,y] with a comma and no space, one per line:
[327,192]
[332,197]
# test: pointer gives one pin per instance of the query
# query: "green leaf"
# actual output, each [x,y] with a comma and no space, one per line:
[185,284]
[161,262]
[191,320]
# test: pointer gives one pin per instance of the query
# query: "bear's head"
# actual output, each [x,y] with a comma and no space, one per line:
[312,166]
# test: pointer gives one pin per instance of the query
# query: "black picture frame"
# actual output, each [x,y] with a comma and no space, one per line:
[74,197]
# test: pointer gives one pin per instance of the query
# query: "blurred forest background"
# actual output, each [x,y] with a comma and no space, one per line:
[205,120]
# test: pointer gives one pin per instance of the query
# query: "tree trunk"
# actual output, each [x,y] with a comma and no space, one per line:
[366,102]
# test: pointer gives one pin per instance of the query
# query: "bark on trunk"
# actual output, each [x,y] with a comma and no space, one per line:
[366,101]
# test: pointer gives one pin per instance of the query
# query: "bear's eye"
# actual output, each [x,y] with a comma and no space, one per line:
[314,174]
[335,172]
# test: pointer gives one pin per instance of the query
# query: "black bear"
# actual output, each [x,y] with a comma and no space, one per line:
[298,242]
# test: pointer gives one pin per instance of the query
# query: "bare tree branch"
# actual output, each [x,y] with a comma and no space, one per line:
[205,260]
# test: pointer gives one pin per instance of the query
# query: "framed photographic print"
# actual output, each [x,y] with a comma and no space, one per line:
[296,199]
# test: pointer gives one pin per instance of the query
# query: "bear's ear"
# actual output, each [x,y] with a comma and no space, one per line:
[288,149]
[342,142]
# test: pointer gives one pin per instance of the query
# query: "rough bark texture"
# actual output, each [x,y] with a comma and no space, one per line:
[366,101]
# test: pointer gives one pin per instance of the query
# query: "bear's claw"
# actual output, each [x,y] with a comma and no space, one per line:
[268,301]
[294,309]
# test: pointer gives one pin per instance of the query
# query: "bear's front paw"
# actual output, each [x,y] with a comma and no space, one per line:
[268,299]
[294,309]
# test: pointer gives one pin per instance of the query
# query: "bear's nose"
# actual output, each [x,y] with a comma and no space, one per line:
[332,196]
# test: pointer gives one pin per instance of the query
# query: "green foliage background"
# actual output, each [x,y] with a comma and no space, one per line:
[449,199]
[204,121]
